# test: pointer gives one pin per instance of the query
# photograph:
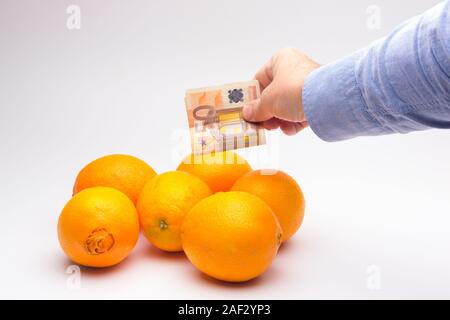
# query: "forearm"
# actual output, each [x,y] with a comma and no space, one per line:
[398,84]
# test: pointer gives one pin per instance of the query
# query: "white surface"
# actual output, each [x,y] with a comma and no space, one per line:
[117,86]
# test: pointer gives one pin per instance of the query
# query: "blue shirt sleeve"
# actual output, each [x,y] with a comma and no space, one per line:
[398,84]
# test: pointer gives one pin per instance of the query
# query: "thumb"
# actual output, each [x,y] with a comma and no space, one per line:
[260,109]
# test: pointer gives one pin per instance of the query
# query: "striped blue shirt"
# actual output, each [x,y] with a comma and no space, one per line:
[398,84]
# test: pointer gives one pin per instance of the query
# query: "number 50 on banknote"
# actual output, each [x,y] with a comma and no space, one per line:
[215,117]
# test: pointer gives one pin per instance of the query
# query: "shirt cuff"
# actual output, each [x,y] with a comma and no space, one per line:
[333,104]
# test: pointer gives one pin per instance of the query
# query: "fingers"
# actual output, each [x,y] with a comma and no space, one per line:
[271,124]
[281,80]
[261,109]
[288,128]
[264,75]
[291,128]
[275,102]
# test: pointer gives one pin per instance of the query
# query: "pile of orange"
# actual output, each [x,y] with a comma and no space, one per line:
[229,220]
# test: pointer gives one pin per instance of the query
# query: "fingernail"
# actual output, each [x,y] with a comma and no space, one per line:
[247,111]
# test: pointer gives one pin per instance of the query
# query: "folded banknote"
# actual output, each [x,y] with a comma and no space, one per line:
[215,117]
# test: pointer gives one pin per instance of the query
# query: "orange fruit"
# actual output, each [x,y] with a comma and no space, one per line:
[219,170]
[98,227]
[164,202]
[281,192]
[122,172]
[231,236]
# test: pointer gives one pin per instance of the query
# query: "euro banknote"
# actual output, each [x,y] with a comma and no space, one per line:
[215,117]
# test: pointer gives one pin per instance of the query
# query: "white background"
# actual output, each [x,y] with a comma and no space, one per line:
[117,86]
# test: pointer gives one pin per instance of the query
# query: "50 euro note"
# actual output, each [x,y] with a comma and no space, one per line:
[215,117]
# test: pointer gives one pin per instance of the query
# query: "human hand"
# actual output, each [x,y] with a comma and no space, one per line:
[281,80]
